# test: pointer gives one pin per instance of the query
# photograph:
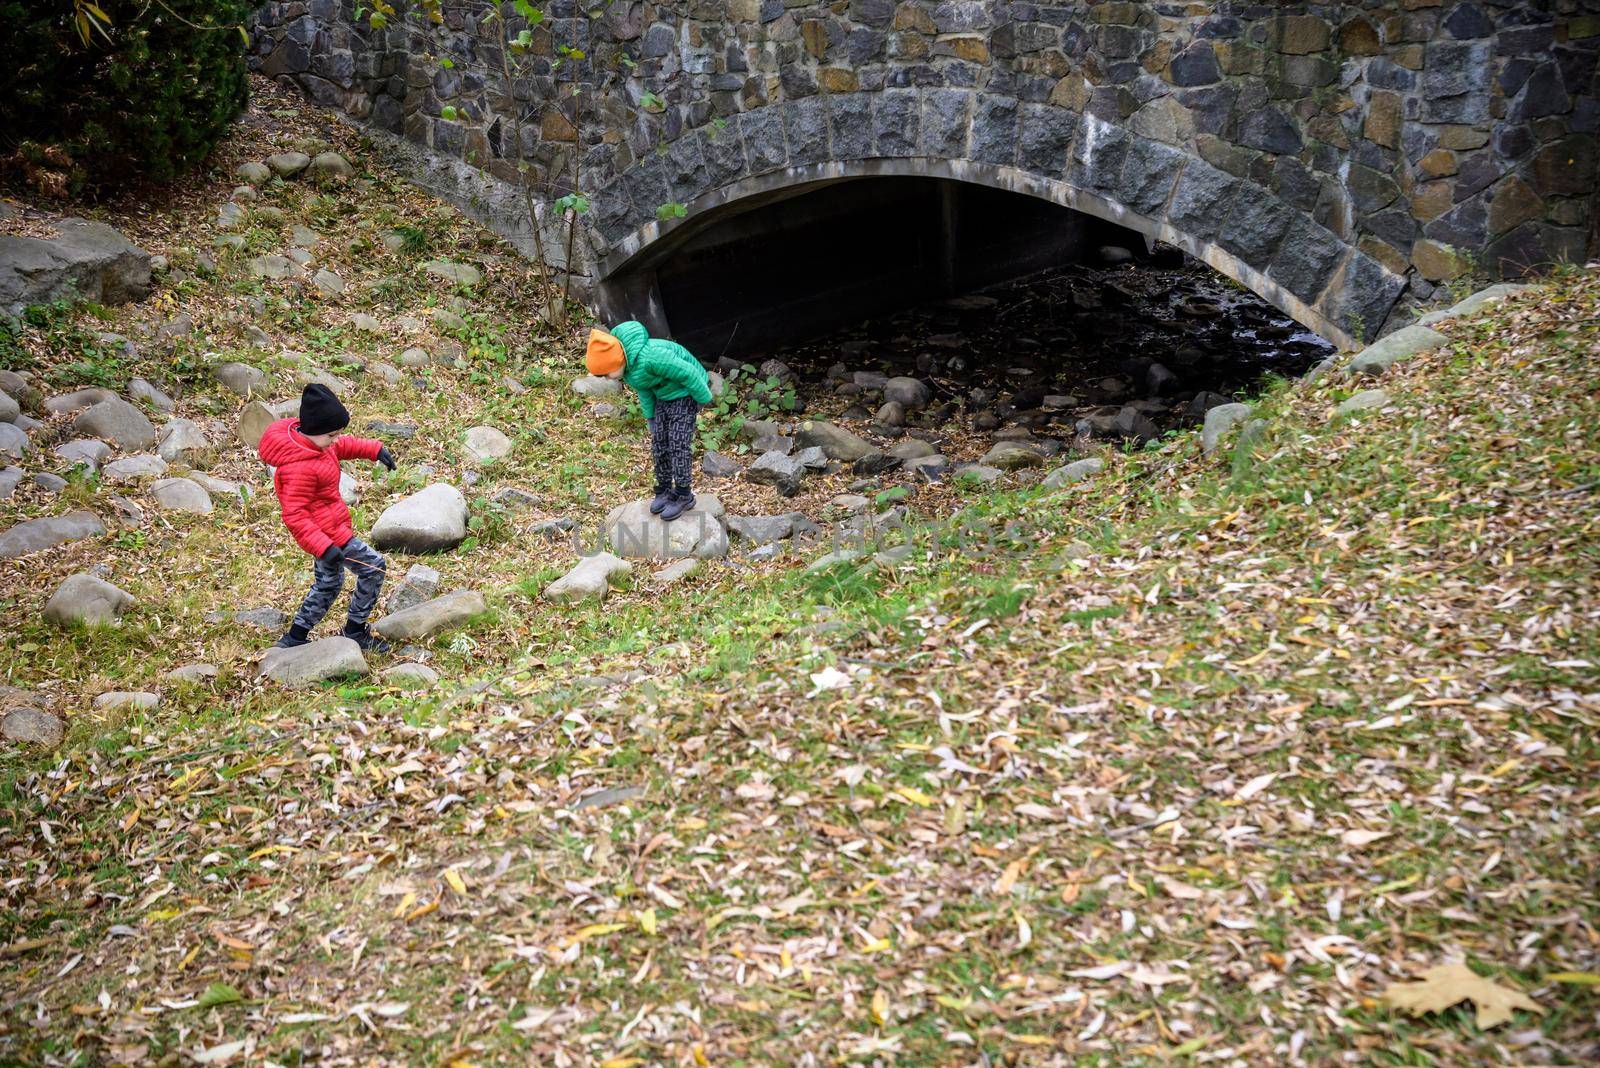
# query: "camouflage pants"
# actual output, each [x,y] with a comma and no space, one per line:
[328,580]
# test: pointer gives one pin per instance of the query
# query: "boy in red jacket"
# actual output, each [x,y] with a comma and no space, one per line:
[306,453]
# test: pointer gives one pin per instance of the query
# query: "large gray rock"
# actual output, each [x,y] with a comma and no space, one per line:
[88,260]
[288,164]
[181,495]
[85,452]
[9,408]
[593,386]
[410,677]
[1474,304]
[459,274]
[836,442]
[430,520]
[420,583]
[911,449]
[217,487]
[182,441]
[144,390]
[1378,357]
[1076,471]
[330,165]
[1366,400]
[421,620]
[485,444]
[86,599]
[241,378]
[192,674]
[252,172]
[1012,456]
[634,534]
[314,662]
[593,577]
[783,473]
[77,400]
[133,468]
[13,441]
[762,529]
[718,465]
[37,535]
[10,478]
[910,393]
[1219,422]
[120,700]
[275,267]
[255,417]
[117,422]
[32,726]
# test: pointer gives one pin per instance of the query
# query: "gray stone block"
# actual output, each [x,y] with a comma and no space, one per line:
[806,128]
[1098,155]
[895,123]
[723,153]
[994,130]
[850,120]
[1256,227]
[685,170]
[945,119]
[764,145]
[1047,133]
[1361,303]
[1201,203]
[1304,263]
[1148,175]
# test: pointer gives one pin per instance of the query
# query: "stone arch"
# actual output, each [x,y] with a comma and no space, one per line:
[1272,247]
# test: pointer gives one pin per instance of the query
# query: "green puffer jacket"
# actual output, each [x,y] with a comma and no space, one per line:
[658,369]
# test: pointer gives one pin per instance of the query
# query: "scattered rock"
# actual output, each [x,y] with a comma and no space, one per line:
[591,386]
[1131,423]
[977,473]
[10,479]
[252,172]
[415,357]
[304,237]
[1219,422]
[265,617]
[762,529]
[910,393]
[634,534]
[328,283]
[716,465]
[9,408]
[288,164]
[13,441]
[85,599]
[783,473]
[123,700]
[241,378]
[911,449]
[275,268]
[140,389]
[850,502]
[459,274]
[485,444]
[552,529]
[891,414]
[1112,255]
[776,369]
[674,573]
[514,498]
[420,584]
[330,165]
[217,487]
[182,440]
[181,495]
[1076,471]
[426,618]
[314,662]
[410,677]
[928,468]
[133,468]
[1365,400]
[33,726]
[77,400]
[773,443]
[593,576]
[429,520]
[812,459]
[255,417]
[118,422]
[827,560]
[1378,357]
[1012,456]
[86,261]
[1203,402]
[836,442]
[762,553]
[192,674]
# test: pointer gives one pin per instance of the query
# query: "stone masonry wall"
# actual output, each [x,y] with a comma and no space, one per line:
[1352,157]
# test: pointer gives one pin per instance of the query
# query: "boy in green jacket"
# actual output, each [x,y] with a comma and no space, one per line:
[671,386]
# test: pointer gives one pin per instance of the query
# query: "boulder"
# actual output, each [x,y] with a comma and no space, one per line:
[328,283]
[217,487]
[32,726]
[275,268]
[910,449]
[256,416]
[252,172]
[36,535]
[812,459]
[51,484]
[827,560]
[781,472]
[420,583]
[9,408]
[181,495]
[677,572]
[593,577]
[118,422]
[133,468]
[1219,421]
[1132,424]
[457,274]
[1378,357]
[891,414]
[485,444]
[192,674]
[10,479]
[77,400]
[288,164]
[314,662]
[330,165]
[85,261]
[1076,471]
[1366,400]
[142,389]
[717,465]
[977,473]
[514,498]
[911,394]
[927,468]
[1203,402]
[592,386]
[85,599]
[1475,303]
[773,443]
[121,700]
[431,520]
[762,529]
[424,619]
[13,441]
[634,534]
[182,441]
[1012,456]
[409,677]
[836,442]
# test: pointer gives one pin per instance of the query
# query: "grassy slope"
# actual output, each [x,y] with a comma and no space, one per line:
[1048,756]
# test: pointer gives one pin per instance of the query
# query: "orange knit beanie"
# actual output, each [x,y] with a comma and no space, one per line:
[605,353]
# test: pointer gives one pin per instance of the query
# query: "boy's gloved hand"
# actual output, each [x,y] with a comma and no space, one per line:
[386,458]
[332,555]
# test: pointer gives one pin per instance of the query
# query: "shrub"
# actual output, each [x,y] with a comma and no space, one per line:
[145,98]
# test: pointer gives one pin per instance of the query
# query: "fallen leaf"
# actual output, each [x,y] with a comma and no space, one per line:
[457,883]
[880,1007]
[1254,786]
[1449,984]
[219,994]
[1356,839]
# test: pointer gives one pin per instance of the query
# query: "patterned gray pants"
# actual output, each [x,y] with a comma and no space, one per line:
[672,443]
[369,566]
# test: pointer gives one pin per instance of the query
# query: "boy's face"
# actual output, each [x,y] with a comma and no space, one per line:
[322,441]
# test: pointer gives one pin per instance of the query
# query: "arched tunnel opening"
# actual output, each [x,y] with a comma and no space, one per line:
[1013,309]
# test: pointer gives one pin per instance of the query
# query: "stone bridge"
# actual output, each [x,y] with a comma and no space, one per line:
[1343,160]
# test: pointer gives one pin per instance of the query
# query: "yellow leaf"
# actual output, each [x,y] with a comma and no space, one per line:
[406,902]
[1576,978]
[457,883]
[1008,879]
[880,1007]
[162,915]
[131,818]
[700,1056]
[269,850]
[1024,932]
[915,796]
[1450,984]
[595,930]
[1033,1040]
[621,1062]
[422,910]
[956,1004]
[647,921]
[877,945]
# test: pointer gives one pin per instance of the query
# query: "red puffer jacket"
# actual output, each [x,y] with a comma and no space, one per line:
[307,481]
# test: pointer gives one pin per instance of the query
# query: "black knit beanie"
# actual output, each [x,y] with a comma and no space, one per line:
[320,411]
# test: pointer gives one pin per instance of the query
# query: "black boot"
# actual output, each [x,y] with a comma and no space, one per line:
[297,636]
[363,637]
[682,501]
[662,499]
